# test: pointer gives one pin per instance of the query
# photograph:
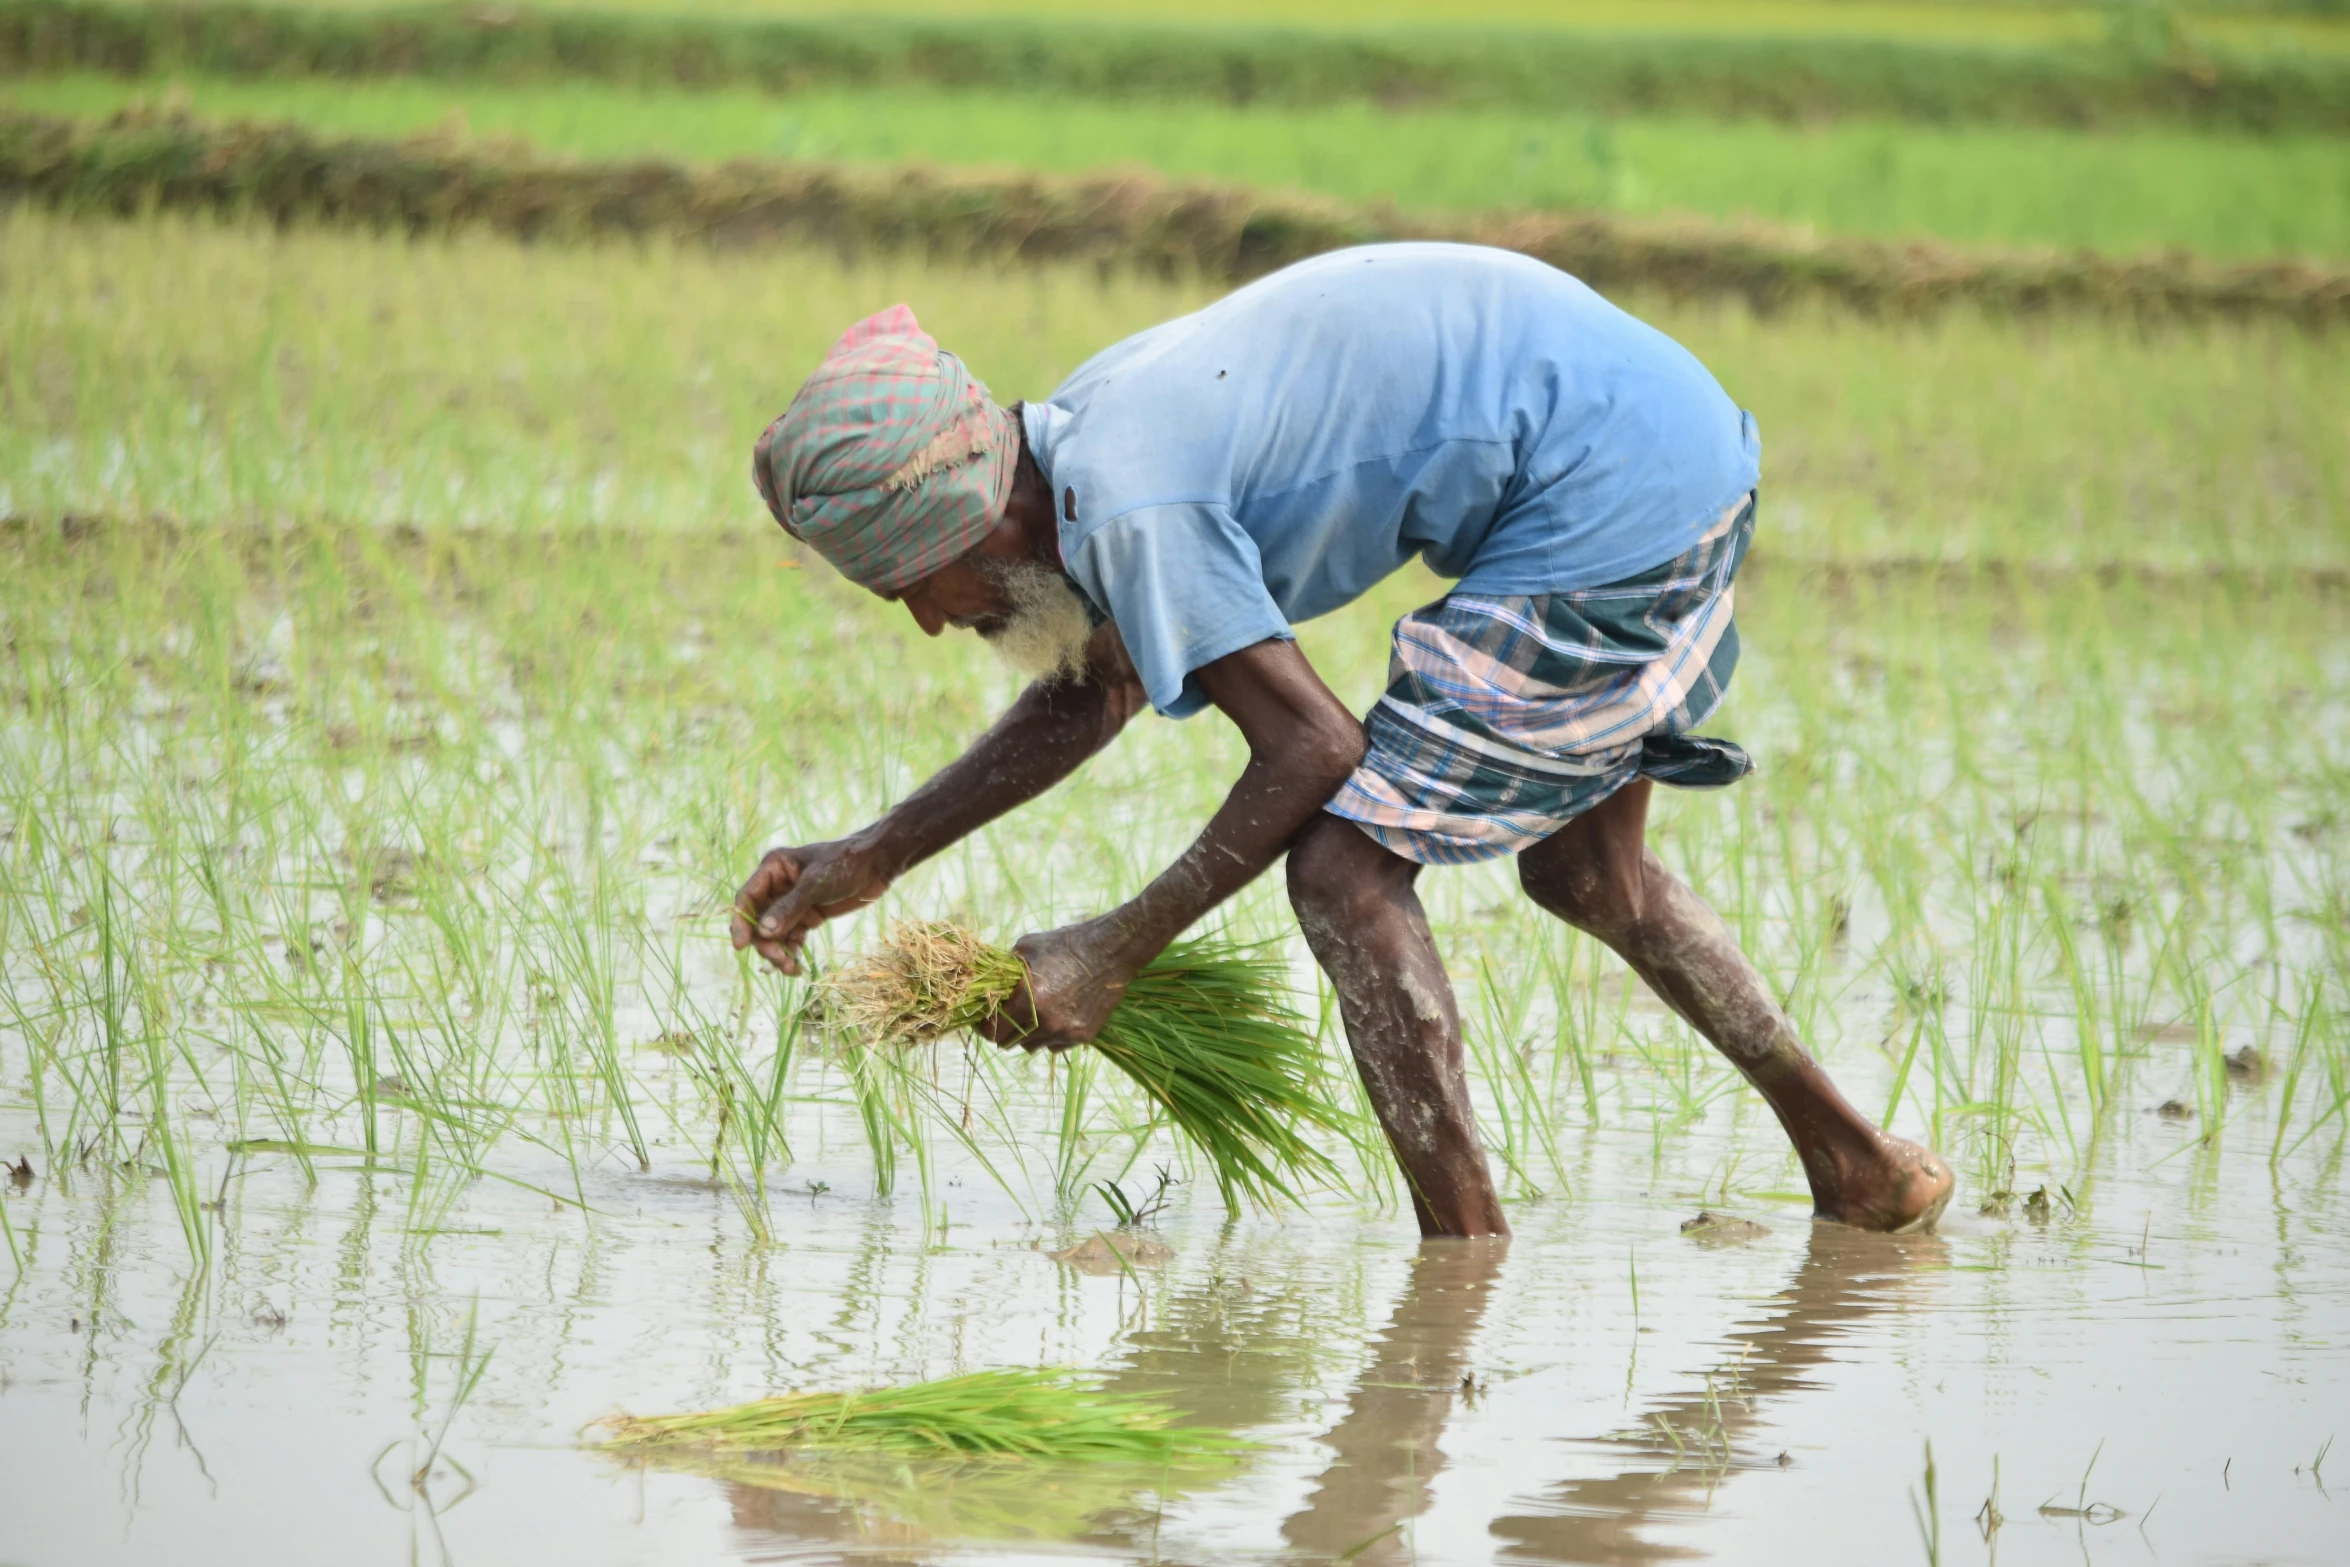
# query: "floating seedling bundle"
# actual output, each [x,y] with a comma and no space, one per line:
[957,1457]
[1203,1030]
[1050,1415]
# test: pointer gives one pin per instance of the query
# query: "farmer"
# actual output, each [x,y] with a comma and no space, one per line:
[1152,532]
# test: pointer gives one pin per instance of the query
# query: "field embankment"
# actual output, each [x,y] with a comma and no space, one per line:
[2221,196]
[140,162]
[1796,79]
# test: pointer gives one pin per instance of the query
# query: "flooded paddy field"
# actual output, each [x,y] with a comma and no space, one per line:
[1768,1400]
[391,704]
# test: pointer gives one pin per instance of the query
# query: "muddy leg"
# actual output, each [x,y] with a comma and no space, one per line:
[1355,901]
[1599,875]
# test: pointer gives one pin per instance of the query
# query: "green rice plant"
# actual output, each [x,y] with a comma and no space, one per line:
[2192,970]
[425,1446]
[1201,1030]
[1806,62]
[441,385]
[169,1140]
[1571,964]
[747,1132]
[2315,1032]
[586,922]
[1928,1513]
[1501,1048]
[1043,1415]
[877,1083]
[1073,1078]
[2089,1024]
[442,576]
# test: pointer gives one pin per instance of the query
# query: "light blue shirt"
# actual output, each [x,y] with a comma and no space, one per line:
[1266,460]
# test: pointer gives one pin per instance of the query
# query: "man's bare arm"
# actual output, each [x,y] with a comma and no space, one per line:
[1042,738]
[1302,745]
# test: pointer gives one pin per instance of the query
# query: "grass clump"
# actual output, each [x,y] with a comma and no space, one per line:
[1202,1031]
[1051,1415]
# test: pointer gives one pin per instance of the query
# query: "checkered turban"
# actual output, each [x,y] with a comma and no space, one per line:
[891,461]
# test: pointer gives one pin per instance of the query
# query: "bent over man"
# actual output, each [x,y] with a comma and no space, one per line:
[1151,534]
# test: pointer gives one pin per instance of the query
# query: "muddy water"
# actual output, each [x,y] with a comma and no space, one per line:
[2152,1375]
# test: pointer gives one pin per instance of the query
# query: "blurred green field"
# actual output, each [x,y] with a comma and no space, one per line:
[220,373]
[1946,21]
[2222,196]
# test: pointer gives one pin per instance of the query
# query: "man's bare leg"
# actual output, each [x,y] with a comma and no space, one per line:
[1599,875]
[1354,899]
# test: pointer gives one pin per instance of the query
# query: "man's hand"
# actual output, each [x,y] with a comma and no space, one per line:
[795,890]
[1077,975]
[1054,726]
[1302,745]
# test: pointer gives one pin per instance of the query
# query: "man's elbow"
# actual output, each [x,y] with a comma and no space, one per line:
[1324,753]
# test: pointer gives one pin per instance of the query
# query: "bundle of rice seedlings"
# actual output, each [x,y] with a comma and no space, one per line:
[1203,1030]
[1056,1415]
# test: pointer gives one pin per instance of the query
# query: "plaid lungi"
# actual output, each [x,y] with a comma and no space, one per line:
[1505,718]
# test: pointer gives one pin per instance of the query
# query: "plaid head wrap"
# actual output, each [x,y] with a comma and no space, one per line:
[891,461]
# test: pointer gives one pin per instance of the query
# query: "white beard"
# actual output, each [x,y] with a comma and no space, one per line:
[1045,635]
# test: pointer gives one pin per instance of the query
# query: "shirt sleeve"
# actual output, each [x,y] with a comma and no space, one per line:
[1185,586]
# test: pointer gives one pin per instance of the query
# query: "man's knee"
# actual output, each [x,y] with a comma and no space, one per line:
[1335,869]
[1595,872]
[1587,885]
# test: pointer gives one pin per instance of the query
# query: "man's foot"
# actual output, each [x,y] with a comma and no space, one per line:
[1901,1191]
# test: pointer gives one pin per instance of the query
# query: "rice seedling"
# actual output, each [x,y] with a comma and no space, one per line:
[1073,1080]
[458,369]
[1570,964]
[8,1234]
[1049,1416]
[1927,1512]
[1500,1046]
[330,787]
[471,1360]
[1202,1030]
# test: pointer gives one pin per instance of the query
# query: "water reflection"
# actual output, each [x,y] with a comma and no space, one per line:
[872,1513]
[1688,1445]
[1387,1446]
[1222,1351]
[1230,1351]
[1228,1354]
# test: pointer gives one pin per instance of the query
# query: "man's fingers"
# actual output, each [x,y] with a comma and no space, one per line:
[788,911]
[743,928]
[775,874]
[792,892]
[1015,1022]
[811,901]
